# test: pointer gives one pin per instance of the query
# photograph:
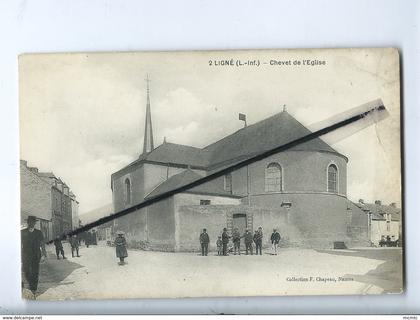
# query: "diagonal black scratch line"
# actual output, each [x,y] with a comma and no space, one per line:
[226,170]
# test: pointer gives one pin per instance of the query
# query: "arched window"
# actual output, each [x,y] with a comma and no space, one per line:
[273,177]
[228,183]
[127,191]
[332,178]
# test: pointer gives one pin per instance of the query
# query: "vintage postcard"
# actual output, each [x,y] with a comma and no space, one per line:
[210,174]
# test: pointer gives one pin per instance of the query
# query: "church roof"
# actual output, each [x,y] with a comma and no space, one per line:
[177,154]
[262,136]
[186,177]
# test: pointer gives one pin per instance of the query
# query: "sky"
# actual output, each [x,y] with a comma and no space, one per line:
[82,115]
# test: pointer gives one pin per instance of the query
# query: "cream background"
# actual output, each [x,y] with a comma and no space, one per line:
[51,26]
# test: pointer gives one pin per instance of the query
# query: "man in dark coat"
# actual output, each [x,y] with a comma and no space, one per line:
[225,241]
[33,247]
[204,241]
[248,241]
[258,236]
[275,239]
[74,243]
[59,248]
[88,239]
[236,238]
[121,247]
[94,238]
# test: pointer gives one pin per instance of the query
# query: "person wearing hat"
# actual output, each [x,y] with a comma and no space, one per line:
[59,248]
[258,236]
[275,239]
[74,243]
[204,241]
[248,241]
[32,248]
[225,241]
[120,247]
[236,238]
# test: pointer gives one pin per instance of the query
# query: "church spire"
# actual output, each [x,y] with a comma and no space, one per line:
[148,130]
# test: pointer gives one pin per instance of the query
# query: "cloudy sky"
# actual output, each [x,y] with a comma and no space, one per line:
[82,115]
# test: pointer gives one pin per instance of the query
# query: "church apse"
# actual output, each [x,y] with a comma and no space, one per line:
[294,190]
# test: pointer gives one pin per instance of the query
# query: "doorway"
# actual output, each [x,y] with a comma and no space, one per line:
[239,221]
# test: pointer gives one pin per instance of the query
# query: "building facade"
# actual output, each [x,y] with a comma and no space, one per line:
[301,191]
[74,211]
[48,198]
[35,199]
[384,221]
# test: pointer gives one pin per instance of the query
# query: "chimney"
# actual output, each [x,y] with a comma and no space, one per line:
[361,201]
[378,202]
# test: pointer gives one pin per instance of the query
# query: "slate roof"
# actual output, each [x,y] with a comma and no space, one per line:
[186,177]
[177,154]
[378,211]
[264,135]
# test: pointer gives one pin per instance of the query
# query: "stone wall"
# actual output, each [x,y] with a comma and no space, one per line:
[321,218]
[193,218]
[144,179]
[136,177]
[303,171]
[151,228]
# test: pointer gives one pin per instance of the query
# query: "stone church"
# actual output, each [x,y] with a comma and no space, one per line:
[302,192]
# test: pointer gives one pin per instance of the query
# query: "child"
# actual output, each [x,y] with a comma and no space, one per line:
[219,245]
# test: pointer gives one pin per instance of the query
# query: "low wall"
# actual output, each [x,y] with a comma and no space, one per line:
[193,218]
[151,228]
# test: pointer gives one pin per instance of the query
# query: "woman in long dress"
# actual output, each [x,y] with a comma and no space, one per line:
[120,247]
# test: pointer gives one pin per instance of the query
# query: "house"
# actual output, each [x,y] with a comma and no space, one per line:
[48,198]
[384,221]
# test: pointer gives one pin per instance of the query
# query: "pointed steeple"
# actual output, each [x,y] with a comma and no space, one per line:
[148,130]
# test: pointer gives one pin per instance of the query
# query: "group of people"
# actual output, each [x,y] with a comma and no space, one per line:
[250,238]
[33,250]
[74,244]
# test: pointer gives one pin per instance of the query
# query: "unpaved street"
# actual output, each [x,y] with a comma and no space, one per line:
[96,274]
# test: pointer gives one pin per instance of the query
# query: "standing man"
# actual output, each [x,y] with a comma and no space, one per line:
[59,248]
[225,241]
[74,243]
[219,245]
[236,238]
[248,242]
[88,239]
[258,236]
[204,241]
[275,239]
[94,238]
[32,242]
